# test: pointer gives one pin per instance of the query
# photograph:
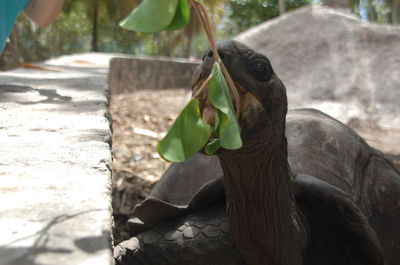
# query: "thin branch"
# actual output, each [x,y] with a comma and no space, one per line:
[202,13]
[233,88]
[203,86]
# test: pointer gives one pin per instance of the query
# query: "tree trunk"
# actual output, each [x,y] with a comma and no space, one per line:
[343,4]
[95,45]
[35,51]
[371,12]
[395,7]
[190,31]
[282,7]
[11,56]
[188,45]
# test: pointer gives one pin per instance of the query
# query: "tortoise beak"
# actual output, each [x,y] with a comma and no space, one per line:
[250,106]
[206,108]
[251,109]
[208,114]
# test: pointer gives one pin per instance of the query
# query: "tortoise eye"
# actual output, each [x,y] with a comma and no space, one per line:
[261,69]
[208,53]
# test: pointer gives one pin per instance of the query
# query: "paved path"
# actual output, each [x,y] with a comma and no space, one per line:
[55,178]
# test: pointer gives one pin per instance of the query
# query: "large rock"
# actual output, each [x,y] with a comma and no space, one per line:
[332,61]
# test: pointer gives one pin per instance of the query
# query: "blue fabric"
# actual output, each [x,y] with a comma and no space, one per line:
[9,11]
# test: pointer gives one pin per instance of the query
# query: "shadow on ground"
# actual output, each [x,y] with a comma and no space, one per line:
[17,255]
[12,93]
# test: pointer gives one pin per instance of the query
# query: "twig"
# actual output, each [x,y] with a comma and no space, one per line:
[205,83]
[233,88]
[202,13]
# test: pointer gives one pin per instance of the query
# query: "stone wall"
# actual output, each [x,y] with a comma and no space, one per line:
[136,73]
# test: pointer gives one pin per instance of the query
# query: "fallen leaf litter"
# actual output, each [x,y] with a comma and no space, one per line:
[140,120]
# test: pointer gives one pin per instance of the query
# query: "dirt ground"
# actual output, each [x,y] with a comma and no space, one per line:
[140,119]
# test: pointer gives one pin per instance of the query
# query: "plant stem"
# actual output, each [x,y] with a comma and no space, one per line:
[204,85]
[202,13]
[205,21]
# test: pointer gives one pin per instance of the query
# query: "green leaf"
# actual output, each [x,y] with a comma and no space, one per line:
[182,16]
[228,129]
[151,16]
[213,146]
[188,134]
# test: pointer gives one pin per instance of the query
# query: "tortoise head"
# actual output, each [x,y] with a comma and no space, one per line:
[263,101]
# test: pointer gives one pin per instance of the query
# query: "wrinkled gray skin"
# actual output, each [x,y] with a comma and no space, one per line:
[337,203]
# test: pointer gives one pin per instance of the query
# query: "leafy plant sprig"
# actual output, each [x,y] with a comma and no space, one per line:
[189,133]
[202,13]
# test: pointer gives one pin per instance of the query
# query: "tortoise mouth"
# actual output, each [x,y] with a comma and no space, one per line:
[207,110]
[252,111]
[208,114]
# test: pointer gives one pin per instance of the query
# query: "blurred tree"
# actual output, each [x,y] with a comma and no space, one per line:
[104,10]
[185,42]
[382,11]
[93,25]
[11,56]
[216,9]
[372,14]
[394,10]
[247,13]
[337,3]
[282,6]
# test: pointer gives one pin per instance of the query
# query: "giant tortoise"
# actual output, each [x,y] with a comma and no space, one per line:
[303,189]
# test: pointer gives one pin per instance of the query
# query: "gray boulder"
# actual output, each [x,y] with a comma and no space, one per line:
[332,61]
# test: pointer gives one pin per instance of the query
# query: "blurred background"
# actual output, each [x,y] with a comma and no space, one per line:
[92,25]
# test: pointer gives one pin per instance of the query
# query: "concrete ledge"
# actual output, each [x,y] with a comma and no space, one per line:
[136,73]
[55,177]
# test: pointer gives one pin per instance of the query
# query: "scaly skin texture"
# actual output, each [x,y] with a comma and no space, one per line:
[195,239]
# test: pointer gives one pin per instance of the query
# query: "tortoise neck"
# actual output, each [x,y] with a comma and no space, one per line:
[264,220]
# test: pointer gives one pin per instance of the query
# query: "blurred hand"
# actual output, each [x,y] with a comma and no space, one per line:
[43,12]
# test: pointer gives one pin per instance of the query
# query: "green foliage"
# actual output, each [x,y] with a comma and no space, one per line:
[74,29]
[188,134]
[70,33]
[226,125]
[182,16]
[152,16]
[244,14]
